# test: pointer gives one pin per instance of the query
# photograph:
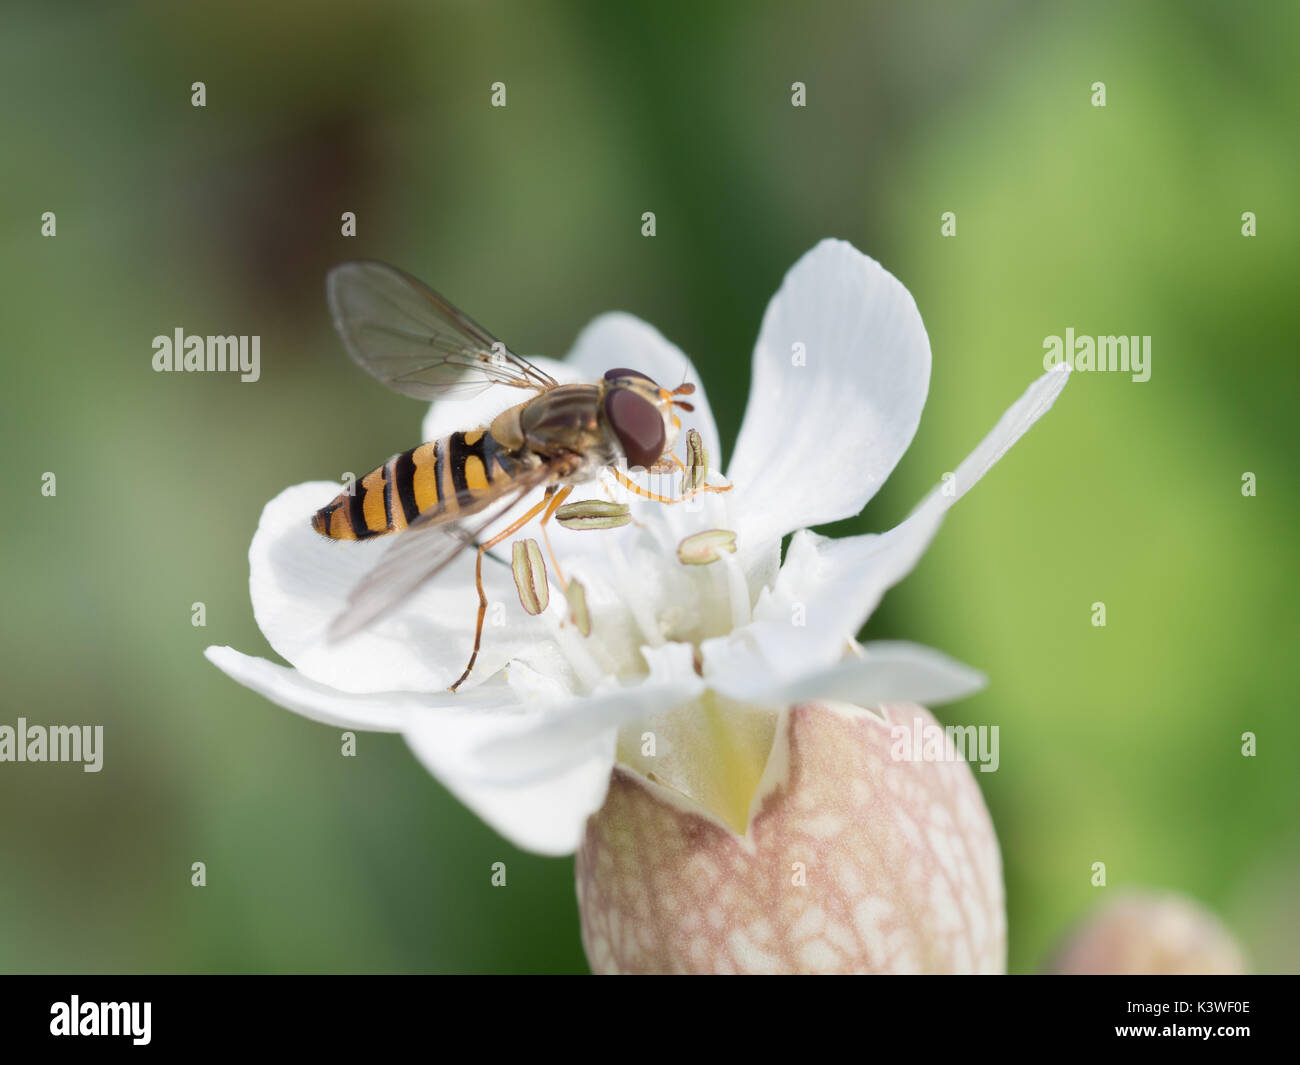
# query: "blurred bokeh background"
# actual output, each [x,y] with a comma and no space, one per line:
[1119,744]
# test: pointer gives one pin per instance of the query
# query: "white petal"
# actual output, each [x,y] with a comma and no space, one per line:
[1017,420]
[299,580]
[544,813]
[374,712]
[899,549]
[885,672]
[567,729]
[447,416]
[618,339]
[859,394]
[828,588]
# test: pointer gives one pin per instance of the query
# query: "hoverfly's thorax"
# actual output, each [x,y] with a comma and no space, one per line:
[505,427]
[565,419]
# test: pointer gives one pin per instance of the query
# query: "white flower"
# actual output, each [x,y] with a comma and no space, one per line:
[702,661]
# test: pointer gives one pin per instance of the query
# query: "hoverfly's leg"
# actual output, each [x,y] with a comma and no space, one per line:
[491,555]
[556,501]
[636,489]
[483,548]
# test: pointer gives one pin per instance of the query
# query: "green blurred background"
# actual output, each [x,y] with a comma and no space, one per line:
[1119,744]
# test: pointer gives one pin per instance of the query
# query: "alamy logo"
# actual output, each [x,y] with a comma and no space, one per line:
[1084,354]
[102,1018]
[53,743]
[930,742]
[195,354]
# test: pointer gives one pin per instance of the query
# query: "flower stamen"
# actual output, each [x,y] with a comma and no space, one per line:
[530,576]
[593,514]
[578,612]
[697,464]
[703,547]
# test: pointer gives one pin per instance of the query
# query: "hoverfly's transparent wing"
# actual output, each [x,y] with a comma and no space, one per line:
[423,549]
[400,331]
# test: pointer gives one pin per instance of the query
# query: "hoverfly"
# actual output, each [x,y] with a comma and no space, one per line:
[439,498]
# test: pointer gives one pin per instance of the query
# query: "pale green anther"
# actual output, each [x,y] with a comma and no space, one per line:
[593,514]
[703,547]
[697,463]
[530,576]
[577,597]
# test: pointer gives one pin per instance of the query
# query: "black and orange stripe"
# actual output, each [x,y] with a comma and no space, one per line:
[450,474]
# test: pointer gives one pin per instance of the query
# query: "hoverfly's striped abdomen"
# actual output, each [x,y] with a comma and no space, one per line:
[446,476]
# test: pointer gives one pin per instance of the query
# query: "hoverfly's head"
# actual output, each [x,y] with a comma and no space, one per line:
[641,415]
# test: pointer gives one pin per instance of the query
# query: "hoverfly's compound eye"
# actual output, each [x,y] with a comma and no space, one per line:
[638,425]
[623,371]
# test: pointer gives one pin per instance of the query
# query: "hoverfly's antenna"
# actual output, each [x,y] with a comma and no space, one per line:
[684,389]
